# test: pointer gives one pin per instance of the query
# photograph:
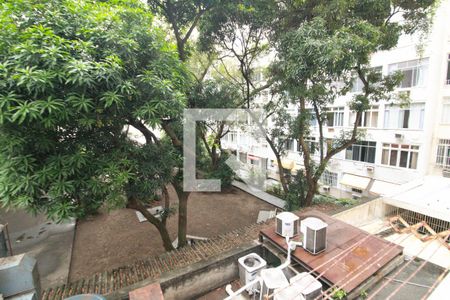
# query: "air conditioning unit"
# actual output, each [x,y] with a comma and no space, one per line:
[356,196]
[399,136]
[272,279]
[370,169]
[250,267]
[314,232]
[446,173]
[326,188]
[310,288]
[287,224]
[288,293]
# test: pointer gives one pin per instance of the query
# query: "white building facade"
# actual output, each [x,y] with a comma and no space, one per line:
[401,144]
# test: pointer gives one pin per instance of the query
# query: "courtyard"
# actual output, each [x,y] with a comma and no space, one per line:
[116,238]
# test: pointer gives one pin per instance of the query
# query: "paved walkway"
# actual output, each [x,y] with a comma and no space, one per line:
[275,201]
[49,242]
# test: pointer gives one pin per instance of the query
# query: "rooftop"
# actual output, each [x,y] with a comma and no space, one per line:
[428,195]
[352,256]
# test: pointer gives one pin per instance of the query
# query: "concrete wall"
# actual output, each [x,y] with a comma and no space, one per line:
[364,213]
[196,279]
[3,248]
[18,275]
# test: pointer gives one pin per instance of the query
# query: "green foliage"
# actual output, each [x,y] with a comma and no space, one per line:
[222,172]
[319,198]
[338,294]
[73,74]
[323,48]
[223,21]
[276,190]
[214,94]
[298,187]
[327,199]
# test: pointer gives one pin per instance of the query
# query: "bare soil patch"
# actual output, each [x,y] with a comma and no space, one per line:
[116,238]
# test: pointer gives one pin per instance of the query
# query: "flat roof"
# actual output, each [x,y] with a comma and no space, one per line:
[429,196]
[353,265]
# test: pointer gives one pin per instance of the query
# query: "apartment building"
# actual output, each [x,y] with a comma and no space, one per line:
[401,144]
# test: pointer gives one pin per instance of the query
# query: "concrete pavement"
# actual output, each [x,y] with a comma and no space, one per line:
[49,242]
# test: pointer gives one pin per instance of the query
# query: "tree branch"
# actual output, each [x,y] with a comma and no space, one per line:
[169,131]
[147,133]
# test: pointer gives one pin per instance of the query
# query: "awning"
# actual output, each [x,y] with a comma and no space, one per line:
[252,157]
[287,164]
[358,182]
[383,188]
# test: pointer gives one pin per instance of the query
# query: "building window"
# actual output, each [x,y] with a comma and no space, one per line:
[257,76]
[358,85]
[329,178]
[289,145]
[443,153]
[335,117]
[414,72]
[358,191]
[448,70]
[445,118]
[369,118]
[312,143]
[312,118]
[403,118]
[397,155]
[231,136]
[362,151]
[412,117]
[243,157]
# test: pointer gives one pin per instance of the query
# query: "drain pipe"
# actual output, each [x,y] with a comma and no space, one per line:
[291,247]
[242,289]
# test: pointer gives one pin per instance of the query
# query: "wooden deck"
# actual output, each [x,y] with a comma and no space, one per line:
[345,262]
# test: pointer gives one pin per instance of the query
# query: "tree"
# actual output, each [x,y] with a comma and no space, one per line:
[214,94]
[183,16]
[240,32]
[73,75]
[323,47]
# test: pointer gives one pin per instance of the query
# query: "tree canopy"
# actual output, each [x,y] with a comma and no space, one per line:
[73,75]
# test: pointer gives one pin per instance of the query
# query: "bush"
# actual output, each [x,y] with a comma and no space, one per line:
[295,197]
[324,199]
[223,172]
[276,190]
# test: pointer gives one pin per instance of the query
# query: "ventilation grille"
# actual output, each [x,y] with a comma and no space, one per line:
[279,226]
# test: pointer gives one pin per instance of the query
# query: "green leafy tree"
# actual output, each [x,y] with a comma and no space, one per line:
[239,31]
[216,95]
[324,46]
[73,75]
[183,16]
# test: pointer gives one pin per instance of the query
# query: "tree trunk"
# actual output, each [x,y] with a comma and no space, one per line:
[283,181]
[166,197]
[214,159]
[162,229]
[312,188]
[182,218]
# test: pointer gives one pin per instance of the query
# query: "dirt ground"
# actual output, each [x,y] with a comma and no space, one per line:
[116,238]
